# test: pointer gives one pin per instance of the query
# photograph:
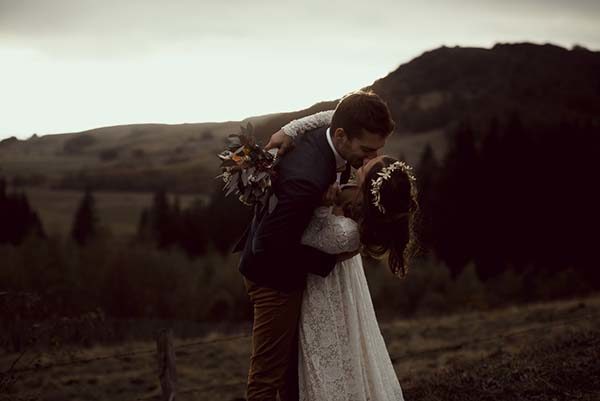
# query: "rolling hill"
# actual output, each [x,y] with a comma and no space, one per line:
[427,96]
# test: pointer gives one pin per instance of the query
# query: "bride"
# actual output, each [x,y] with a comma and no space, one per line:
[342,354]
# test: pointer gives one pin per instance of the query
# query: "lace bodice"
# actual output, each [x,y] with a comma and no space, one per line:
[330,233]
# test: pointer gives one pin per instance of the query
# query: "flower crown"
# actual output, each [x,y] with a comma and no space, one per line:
[385,174]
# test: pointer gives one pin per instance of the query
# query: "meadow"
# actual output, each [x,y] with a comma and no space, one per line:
[507,210]
[118,212]
[540,351]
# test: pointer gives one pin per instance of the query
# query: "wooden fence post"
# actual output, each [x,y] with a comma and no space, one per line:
[167,372]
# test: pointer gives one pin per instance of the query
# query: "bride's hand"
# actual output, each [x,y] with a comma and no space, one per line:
[280,140]
[330,197]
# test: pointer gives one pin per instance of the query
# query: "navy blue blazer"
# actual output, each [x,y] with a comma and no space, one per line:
[272,255]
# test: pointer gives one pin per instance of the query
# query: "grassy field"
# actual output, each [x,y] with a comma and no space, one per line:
[546,351]
[119,212]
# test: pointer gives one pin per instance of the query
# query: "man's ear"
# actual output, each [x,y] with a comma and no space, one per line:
[339,133]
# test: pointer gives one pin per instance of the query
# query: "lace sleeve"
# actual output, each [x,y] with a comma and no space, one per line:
[330,233]
[307,123]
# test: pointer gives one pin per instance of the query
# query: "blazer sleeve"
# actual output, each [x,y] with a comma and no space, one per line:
[279,233]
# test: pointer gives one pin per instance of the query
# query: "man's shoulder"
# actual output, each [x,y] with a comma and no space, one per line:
[313,143]
[311,159]
[316,135]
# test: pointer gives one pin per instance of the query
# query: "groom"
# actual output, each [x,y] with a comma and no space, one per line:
[273,261]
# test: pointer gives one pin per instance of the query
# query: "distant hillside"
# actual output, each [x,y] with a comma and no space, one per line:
[427,96]
[127,157]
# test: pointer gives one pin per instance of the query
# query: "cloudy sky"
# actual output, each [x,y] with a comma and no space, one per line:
[71,65]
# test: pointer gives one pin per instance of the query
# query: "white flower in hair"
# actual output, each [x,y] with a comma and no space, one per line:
[386,174]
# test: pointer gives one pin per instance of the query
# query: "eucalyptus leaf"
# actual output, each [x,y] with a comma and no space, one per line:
[261,175]
[233,188]
[235,178]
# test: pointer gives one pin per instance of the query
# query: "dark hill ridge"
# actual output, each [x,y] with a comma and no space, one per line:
[540,82]
[427,96]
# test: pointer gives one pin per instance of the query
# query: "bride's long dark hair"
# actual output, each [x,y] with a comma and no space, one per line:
[395,230]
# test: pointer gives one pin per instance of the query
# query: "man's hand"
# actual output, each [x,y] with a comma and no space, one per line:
[280,140]
[340,257]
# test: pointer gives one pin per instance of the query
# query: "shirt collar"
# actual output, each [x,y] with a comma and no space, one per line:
[340,163]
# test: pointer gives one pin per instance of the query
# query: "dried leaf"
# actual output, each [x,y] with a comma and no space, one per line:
[231,189]
[272,203]
[261,175]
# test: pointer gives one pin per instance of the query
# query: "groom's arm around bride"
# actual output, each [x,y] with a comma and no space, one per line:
[273,255]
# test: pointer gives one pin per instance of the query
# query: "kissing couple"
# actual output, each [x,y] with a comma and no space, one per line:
[315,335]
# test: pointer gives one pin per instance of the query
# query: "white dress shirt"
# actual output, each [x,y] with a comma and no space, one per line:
[340,163]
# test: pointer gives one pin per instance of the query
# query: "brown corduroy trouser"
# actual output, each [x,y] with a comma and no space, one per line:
[274,361]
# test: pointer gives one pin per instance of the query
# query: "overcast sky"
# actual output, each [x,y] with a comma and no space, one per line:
[71,65]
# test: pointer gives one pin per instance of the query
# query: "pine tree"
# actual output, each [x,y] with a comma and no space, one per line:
[84,227]
[490,252]
[427,176]
[2,189]
[144,229]
[456,215]
[17,219]
[227,219]
[194,229]
[4,212]
[160,217]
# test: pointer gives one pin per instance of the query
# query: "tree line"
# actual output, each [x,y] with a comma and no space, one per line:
[509,213]
[509,196]
[17,219]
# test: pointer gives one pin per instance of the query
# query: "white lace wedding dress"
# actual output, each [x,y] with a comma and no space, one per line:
[342,354]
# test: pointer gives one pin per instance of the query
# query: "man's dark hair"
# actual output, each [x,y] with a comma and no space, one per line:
[362,110]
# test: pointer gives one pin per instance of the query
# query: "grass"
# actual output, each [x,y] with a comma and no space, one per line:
[117,211]
[551,355]
[563,368]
